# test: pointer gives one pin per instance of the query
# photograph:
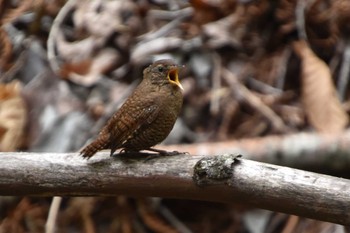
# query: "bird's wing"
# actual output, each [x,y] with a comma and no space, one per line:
[129,119]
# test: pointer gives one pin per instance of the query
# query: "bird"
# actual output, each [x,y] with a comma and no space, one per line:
[147,116]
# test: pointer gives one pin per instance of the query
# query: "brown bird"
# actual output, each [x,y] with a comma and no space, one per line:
[147,116]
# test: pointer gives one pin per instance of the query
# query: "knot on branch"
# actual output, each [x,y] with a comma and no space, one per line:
[211,170]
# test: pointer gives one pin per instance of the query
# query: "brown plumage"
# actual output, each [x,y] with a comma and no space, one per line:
[147,116]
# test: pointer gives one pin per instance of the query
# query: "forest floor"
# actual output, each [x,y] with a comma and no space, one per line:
[254,68]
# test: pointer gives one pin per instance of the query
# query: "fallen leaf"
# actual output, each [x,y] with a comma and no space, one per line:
[100,39]
[88,72]
[12,116]
[322,106]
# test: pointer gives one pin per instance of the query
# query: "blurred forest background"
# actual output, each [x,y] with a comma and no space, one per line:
[254,68]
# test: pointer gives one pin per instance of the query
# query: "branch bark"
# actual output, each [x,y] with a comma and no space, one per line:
[222,178]
[323,153]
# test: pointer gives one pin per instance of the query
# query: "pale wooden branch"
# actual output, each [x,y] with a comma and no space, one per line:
[323,153]
[216,178]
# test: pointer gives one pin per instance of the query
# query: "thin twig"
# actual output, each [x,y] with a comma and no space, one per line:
[344,72]
[216,80]
[171,15]
[254,101]
[51,54]
[300,19]
[51,219]
[168,215]
[167,28]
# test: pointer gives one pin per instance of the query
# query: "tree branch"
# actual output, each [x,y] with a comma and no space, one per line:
[217,178]
[323,153]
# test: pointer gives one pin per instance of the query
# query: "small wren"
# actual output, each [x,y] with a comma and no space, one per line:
[147,116]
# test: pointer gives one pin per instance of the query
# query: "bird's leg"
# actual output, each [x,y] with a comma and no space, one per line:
[113,149]
[127,152]
[132,155]
[164,152]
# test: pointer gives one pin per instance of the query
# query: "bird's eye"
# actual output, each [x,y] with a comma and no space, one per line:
[160,68]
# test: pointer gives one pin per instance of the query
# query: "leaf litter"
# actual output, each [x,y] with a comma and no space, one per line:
[253,68]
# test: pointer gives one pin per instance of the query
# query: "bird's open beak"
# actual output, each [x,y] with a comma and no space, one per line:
[174,77]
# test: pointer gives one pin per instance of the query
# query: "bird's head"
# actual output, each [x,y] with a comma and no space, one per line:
[163,72]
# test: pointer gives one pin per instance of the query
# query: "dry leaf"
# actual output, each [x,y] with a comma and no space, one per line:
[88,72]
[13,11]
[5,50]
[340,12]
[12,116]
[100,39]
[322,106]
[206,11]
[101,18]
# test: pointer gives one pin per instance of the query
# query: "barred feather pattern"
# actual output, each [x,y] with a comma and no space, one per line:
[101,143]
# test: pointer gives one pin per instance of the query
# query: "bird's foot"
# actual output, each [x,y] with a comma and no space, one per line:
[173,153]
[162,153]
[135,155]
[166,153]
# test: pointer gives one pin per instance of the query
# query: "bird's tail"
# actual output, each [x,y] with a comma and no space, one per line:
[100,143]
